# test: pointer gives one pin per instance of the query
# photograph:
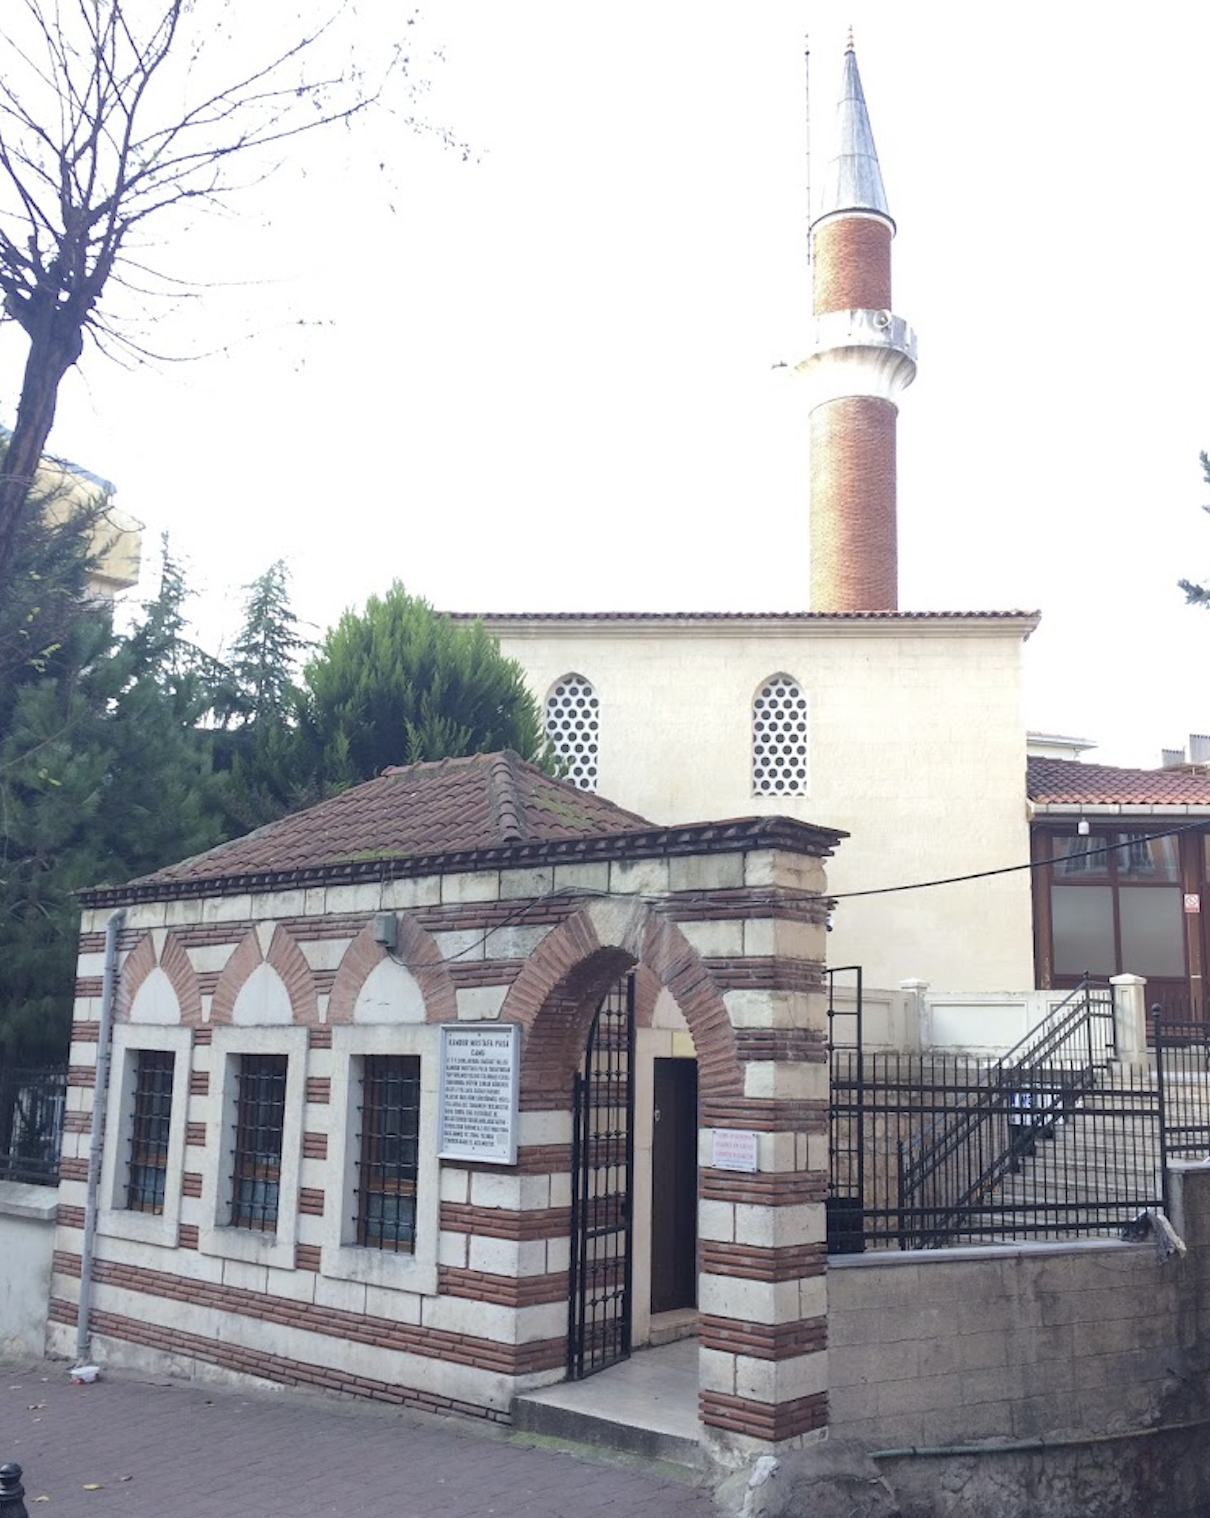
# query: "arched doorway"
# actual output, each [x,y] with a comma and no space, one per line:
[600,1295]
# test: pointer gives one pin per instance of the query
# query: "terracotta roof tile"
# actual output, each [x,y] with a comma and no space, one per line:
[1070,782]
[489,811]
[450,806]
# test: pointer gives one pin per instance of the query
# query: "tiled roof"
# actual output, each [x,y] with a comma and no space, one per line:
[484,811]
[1069,782]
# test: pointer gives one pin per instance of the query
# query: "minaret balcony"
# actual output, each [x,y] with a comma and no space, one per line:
[859,352]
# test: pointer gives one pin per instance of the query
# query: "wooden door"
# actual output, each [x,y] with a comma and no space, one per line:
[674,1186]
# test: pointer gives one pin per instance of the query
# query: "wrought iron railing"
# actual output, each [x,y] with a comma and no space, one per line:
[32,1103]
[1182,1069]
[1053,1140]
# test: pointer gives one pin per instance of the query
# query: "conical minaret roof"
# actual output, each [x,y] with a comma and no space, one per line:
[853,179]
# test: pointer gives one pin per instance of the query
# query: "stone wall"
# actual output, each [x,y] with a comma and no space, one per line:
[27,1237]
[1022,1342]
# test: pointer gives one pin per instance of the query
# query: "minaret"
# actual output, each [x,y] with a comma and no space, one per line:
[861,358]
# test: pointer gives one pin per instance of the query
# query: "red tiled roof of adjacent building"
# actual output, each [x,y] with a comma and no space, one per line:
[485,811]
[1070,782]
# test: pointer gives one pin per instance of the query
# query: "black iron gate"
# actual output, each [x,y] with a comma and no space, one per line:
[601,1209]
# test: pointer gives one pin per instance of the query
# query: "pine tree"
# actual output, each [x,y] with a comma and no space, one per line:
[398,683]
[105,774]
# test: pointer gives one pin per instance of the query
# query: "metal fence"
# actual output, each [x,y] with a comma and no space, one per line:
[32,1103]
[1182,1065]
[1052,1141]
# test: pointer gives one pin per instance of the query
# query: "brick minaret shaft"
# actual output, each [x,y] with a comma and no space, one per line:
[862,357]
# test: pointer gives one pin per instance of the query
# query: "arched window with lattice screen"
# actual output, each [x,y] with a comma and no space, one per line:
[779,738]
[573,726]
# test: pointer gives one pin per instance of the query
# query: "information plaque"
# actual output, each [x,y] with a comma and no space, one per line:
[477,1096]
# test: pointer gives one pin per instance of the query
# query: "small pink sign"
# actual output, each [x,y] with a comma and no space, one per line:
[734,1150]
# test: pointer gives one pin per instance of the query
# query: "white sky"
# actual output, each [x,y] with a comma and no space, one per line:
[542,379]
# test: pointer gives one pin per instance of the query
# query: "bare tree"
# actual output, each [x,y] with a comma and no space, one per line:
[114,112]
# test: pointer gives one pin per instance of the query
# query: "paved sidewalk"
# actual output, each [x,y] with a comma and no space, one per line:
[159,1448]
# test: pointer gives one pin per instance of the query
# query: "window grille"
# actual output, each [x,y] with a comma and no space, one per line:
[259,1123]
[389,1140]
[151,1119]
[573,727]
[779,738]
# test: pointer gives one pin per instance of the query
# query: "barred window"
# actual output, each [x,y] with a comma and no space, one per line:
[779,738]
[150,1122]
[386,1174]
[259,1125]
[573,727]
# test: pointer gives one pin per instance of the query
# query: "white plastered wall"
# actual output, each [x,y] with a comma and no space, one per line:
[917,750]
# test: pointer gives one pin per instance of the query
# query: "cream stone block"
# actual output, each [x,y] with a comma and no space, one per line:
[462,1315]
[754,1301]
[638,877]
[245,1276]
[178,913]
[705,872]
[521,884]
[396,1306]
[460,944]
[498,1257]
[716,1371]
[293,1285]
[813,1296]
[352,900]
[412,891]
[452,1249]
[758,1009]
[348,1296]
[718,1220]
[560,1190]
[616,919]
[558,1255]
[791,1080]
[210,957]
[227,908]
[758,937]
[683,1046]
[778,1227]
[90,964]
[514,941]
[324,953]
[481,886]
[792,872]
[455,1184]
[546,1320]
[775,1151]
[781,1380]
[666,1013]
[495,1188]
[589,876]
[278,904]
[477,1004]
[316,901]
[715,940]
[535,1192]
[794,940]
[544,1128]
[808,1009]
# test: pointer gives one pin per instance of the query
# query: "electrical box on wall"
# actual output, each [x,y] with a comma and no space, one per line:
[386,929]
